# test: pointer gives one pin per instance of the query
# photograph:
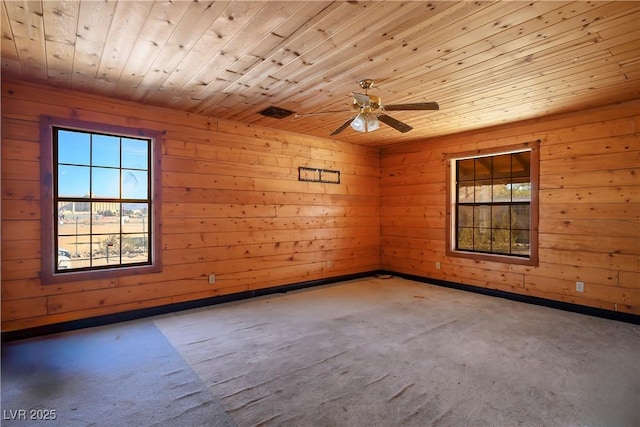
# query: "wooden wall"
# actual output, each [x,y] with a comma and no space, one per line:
[589,226]
[232,206]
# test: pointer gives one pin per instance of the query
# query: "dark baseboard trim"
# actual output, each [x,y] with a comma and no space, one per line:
[170,308]
[575,308]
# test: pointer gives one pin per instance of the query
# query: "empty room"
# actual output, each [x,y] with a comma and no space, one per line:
[320,213]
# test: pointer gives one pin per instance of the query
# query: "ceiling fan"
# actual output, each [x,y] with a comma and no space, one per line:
[370,111]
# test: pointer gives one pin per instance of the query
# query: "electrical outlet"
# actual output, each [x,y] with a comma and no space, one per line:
[212,279]
[437,265]
[579,286]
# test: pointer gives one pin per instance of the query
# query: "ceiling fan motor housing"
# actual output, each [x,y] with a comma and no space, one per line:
[373,104]
[366,83]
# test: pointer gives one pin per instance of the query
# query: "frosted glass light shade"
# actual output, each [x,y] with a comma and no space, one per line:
[372,123]
[359,123]
[365,123]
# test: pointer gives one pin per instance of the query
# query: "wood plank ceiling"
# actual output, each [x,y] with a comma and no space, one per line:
[485,63]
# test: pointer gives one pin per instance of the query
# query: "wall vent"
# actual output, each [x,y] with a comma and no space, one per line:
[276,112]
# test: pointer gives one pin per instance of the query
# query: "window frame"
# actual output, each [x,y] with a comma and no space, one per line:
[48,256]
[452,204]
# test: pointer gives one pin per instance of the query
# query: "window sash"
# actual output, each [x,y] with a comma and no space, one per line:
[489,234]
[102,248]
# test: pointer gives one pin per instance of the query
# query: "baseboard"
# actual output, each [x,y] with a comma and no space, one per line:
[170,308]
[575,308]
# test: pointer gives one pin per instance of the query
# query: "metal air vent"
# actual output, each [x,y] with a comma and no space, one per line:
[276,112]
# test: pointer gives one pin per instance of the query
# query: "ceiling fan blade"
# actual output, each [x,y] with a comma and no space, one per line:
[414,106]
[297,115]
[396,124]
[363,100]
[342,127]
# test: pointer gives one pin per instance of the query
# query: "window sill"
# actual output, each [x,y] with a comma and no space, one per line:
[87,275]
[504,259]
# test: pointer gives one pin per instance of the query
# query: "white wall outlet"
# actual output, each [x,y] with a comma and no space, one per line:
[579,286]
[212,279]
[329,264]
[437,265]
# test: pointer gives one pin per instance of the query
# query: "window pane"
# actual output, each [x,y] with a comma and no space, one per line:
[64,260]
[105,151]
[96,257]
[135,248]
[501,241]
[465,170]
[465,193]
[73,147]
[482,216]
[520,239]
[64,209]
[105,183]
[106,250]
[104,219]
[520,216]
[465,238]
[483,169]
[135,153]
[111,249]
[73,235]
[501,193]
[76,258]
[500,216]
[521,192]
[68,227]
[483,193]
[482,239]
[502,167]
[134,184]
[521,166]
[73,181]
[465,216]
[135,215]
[105,213]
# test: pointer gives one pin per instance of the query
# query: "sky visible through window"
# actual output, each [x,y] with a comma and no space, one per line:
[101,165]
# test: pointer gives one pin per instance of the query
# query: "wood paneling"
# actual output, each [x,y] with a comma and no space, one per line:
[232,205]
[589,227]
[486,63]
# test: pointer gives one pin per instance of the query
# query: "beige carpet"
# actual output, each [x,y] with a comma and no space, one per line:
[375,352]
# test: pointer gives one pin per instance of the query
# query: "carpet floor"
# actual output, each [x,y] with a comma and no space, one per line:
[119,375]
[376,352]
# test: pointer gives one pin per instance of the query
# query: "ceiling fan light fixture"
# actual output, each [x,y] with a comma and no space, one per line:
[359,123]
[372,123]
[365,122]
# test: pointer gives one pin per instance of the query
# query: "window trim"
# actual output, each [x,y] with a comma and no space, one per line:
[534,148]
[49,212]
